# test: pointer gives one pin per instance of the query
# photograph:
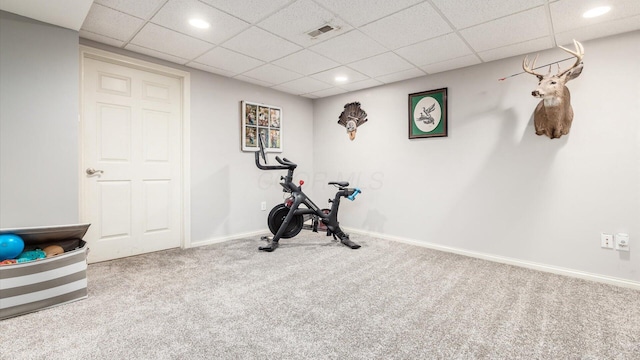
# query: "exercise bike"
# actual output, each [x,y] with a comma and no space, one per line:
[287,220]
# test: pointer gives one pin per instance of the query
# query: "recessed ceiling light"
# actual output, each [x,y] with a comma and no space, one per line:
[199,23]
[601,10]
[341,78]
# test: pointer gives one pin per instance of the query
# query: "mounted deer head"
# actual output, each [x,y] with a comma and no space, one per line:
[553,115]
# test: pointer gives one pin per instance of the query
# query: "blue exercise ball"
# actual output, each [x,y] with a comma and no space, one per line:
[10,246]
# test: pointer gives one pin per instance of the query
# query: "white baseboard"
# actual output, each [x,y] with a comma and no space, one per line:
[505,260]
[228,238]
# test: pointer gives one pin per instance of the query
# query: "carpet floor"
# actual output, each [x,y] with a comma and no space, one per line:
[316,299]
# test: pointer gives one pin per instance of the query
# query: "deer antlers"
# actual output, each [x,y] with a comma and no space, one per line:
[579,54]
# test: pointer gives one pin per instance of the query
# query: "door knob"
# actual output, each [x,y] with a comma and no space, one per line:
[92,171]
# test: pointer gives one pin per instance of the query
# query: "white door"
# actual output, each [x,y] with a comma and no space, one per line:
[131,138]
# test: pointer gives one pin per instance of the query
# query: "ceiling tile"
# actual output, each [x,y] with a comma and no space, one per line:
[361,85]
[260,44]
[175,15]
[303,86]
[401,75]
[415,24]
[272,74]
[435,50]
[170,42]
[328,92]
[111,23]
[463,13]
[155,54]
[228,60]
[248,10]
[329,76]
[360,12]
[142,9]
[306,62]
[598,30]
[567,14]
[210,69]
[382,64]
[349,47]
[101,38]
[295,21]
[528,25]
[456,63]
[253,81]
[526,47]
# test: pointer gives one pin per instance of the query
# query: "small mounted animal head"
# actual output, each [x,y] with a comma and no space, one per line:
[553,115]
[352,117]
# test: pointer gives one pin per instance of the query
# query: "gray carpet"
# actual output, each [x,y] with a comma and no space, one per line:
[316,299]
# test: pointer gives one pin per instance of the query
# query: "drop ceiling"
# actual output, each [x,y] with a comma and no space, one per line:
[373,42]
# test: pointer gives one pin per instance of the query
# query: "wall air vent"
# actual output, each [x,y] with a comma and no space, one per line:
[320,31]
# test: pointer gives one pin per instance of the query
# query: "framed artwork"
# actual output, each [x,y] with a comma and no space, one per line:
[428,114]
[261,120]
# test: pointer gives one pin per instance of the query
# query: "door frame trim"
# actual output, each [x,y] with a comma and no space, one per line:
[185,122]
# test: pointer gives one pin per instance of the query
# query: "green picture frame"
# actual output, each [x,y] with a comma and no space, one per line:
[428,115]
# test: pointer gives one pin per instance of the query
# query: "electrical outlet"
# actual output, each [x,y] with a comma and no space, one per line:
[263,206]
[622,242]
[606,241]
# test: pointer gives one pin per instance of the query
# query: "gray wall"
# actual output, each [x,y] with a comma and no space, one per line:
[38,123]
[493,186]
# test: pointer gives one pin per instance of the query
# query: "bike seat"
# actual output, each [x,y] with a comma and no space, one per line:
[339,183]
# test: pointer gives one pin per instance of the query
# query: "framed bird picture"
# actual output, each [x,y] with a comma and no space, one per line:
[428,114]
[261,120]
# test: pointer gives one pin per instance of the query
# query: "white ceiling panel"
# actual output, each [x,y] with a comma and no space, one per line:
[303,86]
[306,62]
[352,46]
[329,92]
[410,26]
[456,63]
[527,25]
[360,12]
[526,47]
[228,60]
[68,14]
[249,10]
[170,42]
[111,23]
[253,81]
[142,9]
[156,54]
[372,41]
[464,13]
[435,50]
[401,75]
[567,14]
[176,14]
[599,30]
[364,84]
[382,64]
[329,76]
[211,69]
[272,74]
[260,44]
[101,38]
[295,21]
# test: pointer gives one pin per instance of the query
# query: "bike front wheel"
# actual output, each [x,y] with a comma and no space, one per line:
[276,219]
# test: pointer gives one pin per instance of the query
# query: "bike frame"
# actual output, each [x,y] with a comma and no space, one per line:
[300,198]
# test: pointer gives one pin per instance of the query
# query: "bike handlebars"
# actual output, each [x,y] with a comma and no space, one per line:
[355,193]
[286,165]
